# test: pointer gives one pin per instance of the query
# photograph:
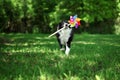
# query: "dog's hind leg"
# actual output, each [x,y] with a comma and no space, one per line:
[61,46]
[59,42]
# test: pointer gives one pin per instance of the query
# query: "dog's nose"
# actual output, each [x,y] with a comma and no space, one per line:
[66,25]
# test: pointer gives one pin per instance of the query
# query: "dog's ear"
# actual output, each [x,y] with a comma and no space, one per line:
[65,21]
[60,25]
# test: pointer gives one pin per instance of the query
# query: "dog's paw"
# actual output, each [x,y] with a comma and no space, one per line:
[67,51]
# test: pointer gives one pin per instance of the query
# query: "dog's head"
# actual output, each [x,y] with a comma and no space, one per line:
[64,24]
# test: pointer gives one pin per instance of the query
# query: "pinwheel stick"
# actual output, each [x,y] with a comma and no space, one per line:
[56,32]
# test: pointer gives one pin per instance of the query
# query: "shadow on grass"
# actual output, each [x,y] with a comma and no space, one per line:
[37,57]
[58,66]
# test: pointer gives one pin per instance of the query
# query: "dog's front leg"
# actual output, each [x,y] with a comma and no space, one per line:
[67,49]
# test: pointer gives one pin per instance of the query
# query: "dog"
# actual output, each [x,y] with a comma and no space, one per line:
[65,36]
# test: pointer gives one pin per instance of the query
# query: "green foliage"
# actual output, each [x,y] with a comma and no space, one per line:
[36,57]
[23,15]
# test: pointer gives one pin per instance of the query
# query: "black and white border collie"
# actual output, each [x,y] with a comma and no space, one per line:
[65,36]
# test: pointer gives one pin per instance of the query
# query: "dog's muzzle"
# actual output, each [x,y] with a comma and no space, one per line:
[66,25]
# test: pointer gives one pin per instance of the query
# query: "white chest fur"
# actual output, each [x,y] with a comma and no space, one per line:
[64,35]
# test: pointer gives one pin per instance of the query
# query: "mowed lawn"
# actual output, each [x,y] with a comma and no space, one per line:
[37,57]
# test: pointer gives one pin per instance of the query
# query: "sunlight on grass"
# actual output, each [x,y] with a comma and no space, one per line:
[90,63]
[43,75]
[112,44]
[40,38]
[99,77]
[83,42]
[36,57]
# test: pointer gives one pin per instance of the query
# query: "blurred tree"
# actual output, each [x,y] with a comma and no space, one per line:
[6,15]
[27,15]
[42,8]
[99,15]
[2,16]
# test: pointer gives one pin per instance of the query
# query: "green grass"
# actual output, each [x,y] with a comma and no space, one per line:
[36,57]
